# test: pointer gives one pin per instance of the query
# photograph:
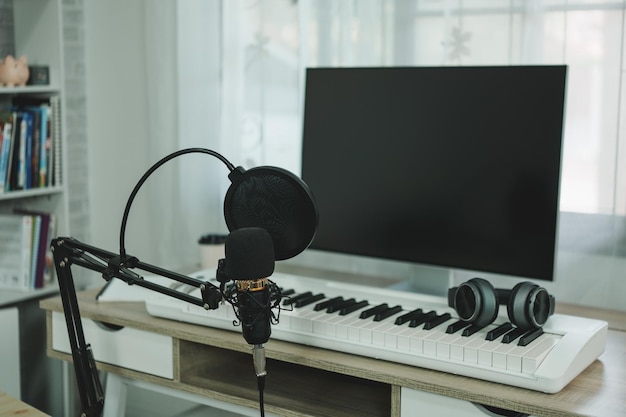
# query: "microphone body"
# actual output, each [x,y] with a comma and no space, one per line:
[249,261]
[253,299]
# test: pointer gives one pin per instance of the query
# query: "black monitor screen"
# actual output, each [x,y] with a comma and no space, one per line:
[449,166]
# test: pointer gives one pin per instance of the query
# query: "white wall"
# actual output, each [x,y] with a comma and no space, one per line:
[116,115]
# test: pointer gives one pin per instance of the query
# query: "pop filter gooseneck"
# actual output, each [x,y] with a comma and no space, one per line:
[267,197]
[145,177]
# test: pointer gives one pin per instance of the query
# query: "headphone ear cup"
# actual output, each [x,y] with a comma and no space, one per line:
[475,301]
[524,304]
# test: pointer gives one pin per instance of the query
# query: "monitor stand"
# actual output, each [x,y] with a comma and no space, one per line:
[426,280]
[369,271]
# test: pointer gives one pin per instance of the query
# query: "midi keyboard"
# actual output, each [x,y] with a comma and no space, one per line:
[413,329]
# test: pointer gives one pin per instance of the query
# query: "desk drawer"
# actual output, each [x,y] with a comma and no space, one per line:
[439,405]
[130,348]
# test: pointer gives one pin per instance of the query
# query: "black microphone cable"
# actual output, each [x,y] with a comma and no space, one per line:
[251,315]
[261,384]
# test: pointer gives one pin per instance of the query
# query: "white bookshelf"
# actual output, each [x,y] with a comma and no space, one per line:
[38,34]
[37,30]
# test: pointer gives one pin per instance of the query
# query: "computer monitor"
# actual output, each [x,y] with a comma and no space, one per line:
[455,167]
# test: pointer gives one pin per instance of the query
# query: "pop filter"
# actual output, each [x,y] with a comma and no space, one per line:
[276,200]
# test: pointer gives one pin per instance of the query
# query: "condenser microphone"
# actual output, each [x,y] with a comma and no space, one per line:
[272,216]
[249,261]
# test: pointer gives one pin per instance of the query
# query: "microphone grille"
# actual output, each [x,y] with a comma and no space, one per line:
[249,254]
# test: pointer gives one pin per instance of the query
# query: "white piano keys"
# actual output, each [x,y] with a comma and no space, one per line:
[430,341]
[457,349]
[367,332]
[391,336]
[485,353]
[354,332]
[331,327]
[501,354]
[381,335]
[514,358]
[470,349]
[445,344]
[341,327]
[416,339]
[301,319]
[538,351]
[323,325]
[402,338]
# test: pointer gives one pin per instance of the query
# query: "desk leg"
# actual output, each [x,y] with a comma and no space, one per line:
[10,352]
[65,367]
[115,396]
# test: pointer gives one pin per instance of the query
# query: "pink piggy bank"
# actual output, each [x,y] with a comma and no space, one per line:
[13,71]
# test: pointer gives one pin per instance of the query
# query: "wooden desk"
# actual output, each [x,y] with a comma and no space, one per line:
[309,381]
[11,407]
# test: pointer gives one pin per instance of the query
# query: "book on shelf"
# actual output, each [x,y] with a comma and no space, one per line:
[55,150]
[30,144]
[25,255]
[15,251]
[6,133]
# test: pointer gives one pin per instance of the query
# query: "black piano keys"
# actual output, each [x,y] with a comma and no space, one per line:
[352,307]
[468,331]
[456,326]
[414,318]
[341,305]
[309,300]
[409,316]
[294,299]
[436,321]
[383,315]
[499,331]
[421,319]
[530,336]
[373,311]
[327,303]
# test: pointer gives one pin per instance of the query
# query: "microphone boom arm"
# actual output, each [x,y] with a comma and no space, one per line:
[68,251]
[300,218]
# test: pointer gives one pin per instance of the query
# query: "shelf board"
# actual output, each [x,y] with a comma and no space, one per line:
[13,195]
[30,89]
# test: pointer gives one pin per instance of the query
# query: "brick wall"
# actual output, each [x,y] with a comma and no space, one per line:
[76,117]
[7,41]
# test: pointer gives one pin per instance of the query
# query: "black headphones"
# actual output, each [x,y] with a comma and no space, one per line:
[477,301]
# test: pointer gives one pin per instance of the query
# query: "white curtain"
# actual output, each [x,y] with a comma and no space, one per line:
[183,77]
[250,92]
